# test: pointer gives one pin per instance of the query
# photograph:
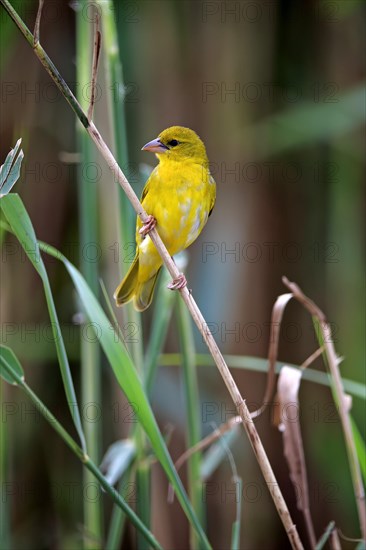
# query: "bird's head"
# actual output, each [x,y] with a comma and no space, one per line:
[177,143]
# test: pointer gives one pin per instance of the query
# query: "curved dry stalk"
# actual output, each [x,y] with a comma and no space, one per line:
[342,401]
[196,314]
[275,327]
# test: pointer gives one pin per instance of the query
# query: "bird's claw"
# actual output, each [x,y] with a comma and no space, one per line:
[178,283]
[148,226]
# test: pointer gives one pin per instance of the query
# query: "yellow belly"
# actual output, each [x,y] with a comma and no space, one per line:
[181,209]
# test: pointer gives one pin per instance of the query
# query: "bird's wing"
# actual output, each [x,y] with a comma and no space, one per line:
[138,220]
[213,196]
[145,190]
[144,194]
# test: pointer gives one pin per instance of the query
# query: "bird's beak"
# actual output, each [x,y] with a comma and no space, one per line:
[155,146]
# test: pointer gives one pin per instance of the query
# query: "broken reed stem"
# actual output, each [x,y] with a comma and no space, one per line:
[333,362]
[38,22]
[186,295]
[334,542]
[317,353]
[208,440]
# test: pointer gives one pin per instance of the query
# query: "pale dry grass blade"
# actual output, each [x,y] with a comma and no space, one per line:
[288,395]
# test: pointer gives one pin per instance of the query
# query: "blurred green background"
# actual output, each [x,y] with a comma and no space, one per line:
[277,93]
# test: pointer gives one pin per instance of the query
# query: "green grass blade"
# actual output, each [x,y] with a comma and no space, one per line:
[12,371]
[360,448]
[235,532]
[21,225]
[8,357]
[116,110]
[125,215]
[14,175]
[88,220]
[163,309]
[131,384]
[318,121]
[118,520]
[257,364]
[325,536]
[192,403]
[217,453]
[143,487]
[5,472]
[5,168]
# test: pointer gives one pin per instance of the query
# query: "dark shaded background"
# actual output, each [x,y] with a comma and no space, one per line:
[276,91]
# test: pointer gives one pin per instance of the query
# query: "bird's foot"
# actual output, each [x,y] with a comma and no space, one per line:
[148,226]
[178,283]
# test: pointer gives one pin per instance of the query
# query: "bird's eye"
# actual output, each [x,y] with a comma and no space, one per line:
[173,143]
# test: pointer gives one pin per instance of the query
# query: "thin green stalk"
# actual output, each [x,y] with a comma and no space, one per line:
[259,364]
[88,231]
[118,519]
[5,539]
[117,122]
[235,531]
[116,111]
[163,309]
[143,485]
[85,459]
[193,432]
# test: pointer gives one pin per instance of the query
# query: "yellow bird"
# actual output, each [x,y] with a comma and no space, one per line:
[178,197]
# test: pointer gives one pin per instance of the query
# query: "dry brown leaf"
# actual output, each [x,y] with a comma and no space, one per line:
[287,392]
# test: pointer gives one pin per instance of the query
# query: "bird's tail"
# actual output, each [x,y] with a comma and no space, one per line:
[130,288]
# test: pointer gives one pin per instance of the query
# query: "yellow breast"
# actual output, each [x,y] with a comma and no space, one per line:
[180,198]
